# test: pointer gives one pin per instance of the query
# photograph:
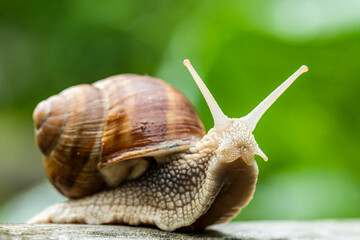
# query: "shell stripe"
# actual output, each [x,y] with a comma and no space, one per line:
[118,123]
[89,178]
[182,119]
[72,163]
[149,124]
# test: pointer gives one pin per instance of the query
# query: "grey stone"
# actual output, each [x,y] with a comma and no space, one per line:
[329,229]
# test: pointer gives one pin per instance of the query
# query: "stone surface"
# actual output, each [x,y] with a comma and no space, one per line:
[347,229]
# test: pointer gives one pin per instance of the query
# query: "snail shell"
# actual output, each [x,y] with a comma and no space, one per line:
[105,133]
[95,136]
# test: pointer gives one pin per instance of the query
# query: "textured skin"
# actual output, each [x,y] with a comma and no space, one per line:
[173,194]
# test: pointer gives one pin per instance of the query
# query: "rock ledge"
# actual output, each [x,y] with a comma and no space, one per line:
[327,229]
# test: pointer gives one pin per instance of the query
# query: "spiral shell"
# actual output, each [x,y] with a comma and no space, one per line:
[95,136]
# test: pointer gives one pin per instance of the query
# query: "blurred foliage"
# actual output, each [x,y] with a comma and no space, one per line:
[242,49]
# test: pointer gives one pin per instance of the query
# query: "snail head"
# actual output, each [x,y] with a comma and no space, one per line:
[235,134]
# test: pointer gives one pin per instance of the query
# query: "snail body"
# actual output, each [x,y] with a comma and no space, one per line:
[190,180]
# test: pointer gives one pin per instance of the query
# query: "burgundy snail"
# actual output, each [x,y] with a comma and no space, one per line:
[131,149]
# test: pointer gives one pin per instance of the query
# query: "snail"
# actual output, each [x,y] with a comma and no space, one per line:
[131,149]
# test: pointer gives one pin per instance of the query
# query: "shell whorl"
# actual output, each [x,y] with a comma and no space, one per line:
[87,128]
[69,139]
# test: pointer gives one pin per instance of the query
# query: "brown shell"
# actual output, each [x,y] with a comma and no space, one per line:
[86,128]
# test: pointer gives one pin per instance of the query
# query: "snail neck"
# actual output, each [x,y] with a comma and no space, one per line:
[238,180]
[227,185]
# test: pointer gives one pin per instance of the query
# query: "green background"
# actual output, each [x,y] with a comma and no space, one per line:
[242,49]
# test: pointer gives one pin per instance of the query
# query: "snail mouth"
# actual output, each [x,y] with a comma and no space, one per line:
[247,156]
[248,160]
